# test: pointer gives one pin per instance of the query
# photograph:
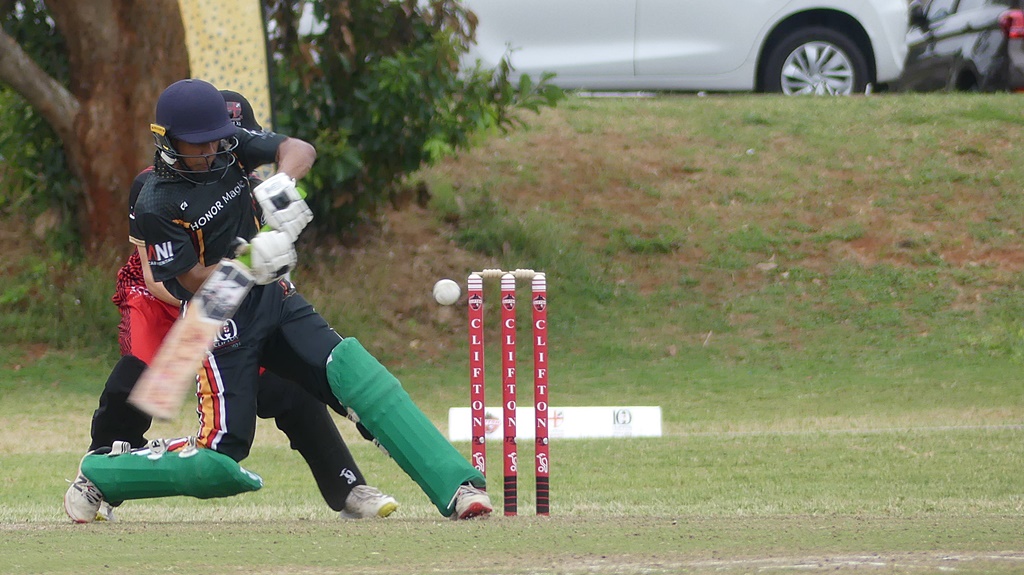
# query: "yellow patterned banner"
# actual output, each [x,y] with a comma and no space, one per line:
[227,47]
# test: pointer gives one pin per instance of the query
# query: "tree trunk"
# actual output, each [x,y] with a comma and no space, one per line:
[123,53]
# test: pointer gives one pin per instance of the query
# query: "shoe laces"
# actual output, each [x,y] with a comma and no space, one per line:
[365,493]
[88,490]
[470,490]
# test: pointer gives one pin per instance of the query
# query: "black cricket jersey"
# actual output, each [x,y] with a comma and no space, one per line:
[182,223]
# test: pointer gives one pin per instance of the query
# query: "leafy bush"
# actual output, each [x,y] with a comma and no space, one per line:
[60,302]
[377,88]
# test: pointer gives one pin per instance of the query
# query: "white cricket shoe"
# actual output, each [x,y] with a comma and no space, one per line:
[82,500]
[365,502]
[471,502]
[106,513]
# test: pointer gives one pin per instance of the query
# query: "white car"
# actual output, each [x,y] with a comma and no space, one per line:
[789,46]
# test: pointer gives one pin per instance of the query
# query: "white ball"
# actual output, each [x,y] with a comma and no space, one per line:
[446,292]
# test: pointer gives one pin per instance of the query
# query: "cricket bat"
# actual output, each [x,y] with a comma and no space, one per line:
[163,387]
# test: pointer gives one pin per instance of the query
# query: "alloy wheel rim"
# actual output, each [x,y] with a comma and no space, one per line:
[817,68]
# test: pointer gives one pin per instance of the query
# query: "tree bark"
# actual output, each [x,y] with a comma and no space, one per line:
[122,54]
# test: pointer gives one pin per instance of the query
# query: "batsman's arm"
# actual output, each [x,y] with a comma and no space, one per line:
[268,256]
[194,278]
[295,157]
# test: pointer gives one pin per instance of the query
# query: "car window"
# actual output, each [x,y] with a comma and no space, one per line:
[743,45]
[939,9]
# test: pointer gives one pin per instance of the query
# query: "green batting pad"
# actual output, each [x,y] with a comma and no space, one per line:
[367,388]
[141,474]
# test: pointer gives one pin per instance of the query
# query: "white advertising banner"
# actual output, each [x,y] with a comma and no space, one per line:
[563,422]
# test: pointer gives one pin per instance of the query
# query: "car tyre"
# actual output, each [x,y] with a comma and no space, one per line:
[815,60]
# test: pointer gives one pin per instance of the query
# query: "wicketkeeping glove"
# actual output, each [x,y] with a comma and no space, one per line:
[282,204]
[271,255]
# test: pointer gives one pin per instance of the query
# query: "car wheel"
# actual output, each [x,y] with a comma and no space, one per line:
[815,60]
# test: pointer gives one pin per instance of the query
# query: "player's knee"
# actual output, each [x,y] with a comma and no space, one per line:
[357,379]
[122,378]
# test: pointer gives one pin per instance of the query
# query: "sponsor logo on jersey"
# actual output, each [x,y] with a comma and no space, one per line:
[159,254]
[219,205]
[228,335]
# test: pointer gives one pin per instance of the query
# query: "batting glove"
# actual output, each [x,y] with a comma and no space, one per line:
[271,255]
[283,206]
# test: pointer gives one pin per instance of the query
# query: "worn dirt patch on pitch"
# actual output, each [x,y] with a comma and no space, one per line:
[1004,562]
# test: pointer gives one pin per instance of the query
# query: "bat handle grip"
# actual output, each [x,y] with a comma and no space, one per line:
[246,258]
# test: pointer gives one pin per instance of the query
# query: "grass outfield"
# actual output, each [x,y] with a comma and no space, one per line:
[823,295]
[855,493]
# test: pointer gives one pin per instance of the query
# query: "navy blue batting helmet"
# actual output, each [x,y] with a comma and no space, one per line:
[194,111]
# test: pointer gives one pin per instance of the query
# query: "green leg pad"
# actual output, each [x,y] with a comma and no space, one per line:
[201,473]
[366,387]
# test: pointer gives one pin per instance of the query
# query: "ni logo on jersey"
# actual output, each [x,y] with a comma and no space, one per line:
[159,254]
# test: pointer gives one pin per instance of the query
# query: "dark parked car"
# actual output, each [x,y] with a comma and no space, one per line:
[965,45]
